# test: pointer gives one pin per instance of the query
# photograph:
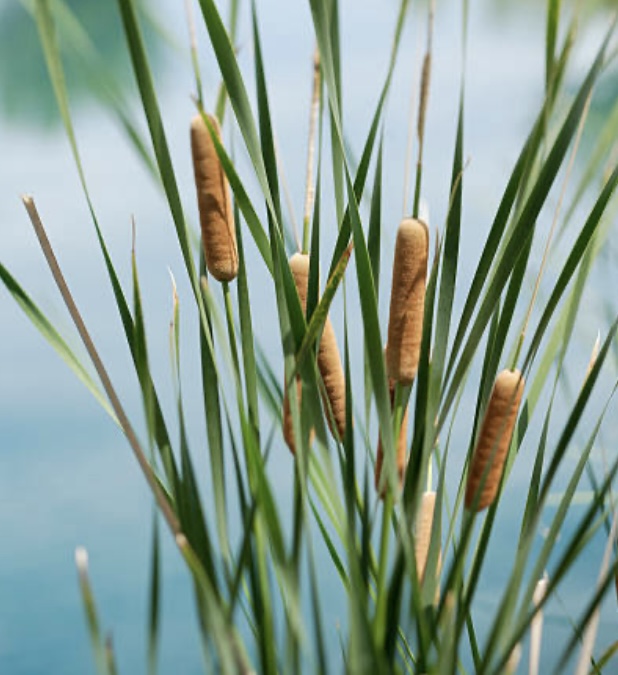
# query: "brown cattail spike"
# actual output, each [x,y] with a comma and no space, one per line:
[402,447]
[405,323]
[329,360]
[214,203]
[299,266]
[329,364]
[494,439]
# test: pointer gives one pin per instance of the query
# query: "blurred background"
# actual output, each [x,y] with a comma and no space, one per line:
[67,477]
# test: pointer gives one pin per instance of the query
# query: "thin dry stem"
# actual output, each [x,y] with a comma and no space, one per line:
[289,203]
[590,632]
[567,176]
[191,25]
[536,626]
[193,49]
[408,160]
[313,119]
[151,479]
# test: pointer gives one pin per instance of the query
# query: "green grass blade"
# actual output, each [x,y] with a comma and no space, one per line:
[214,429]
[46,28]
[154,600]
[320,314]
[157,133]
[250,368]
[266,131]
[374,244]
[551,33]
[234,84]
[90,609]
[516,183]
[525,224]
[373,337]
[321,28]
[51,335]
[450,257]
[575,256]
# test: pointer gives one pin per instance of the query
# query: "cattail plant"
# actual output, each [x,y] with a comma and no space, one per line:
[329,362]
[265,560]
[405,323]
[401,457]
[214,203]
[493,441]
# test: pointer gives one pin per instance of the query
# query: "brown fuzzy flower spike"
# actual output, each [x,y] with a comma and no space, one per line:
[299,266]
[329,359]
[405,323]
[214,203]
[494,438]
[329,364]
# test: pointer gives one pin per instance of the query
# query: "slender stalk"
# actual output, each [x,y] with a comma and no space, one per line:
[313,119]
[194,56]
[287,195]
[422,108]
[151,479]
[229,315]
[409,146]
[381,585]
[552,229]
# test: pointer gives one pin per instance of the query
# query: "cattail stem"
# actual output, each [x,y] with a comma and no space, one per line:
[565,183]
[536,626]
[313,118]
[389,477]
[422,109]
[194,57]
[382,586]
[151,479]
[231,331]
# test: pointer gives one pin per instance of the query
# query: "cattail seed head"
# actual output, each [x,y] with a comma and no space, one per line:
[494,439]
[329,364]
[214,203]
[329,359]
[299,266]
[405,323]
